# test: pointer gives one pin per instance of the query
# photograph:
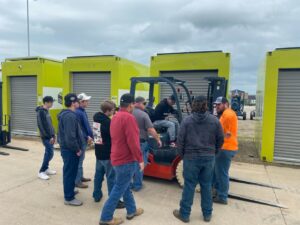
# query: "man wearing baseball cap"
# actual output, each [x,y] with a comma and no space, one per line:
[47,134]
[71,140]
[229,122]
[88,136]
[125,156]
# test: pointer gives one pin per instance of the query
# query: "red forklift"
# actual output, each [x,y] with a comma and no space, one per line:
[165,162]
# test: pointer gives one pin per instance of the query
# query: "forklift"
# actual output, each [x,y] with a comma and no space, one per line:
[5,131]
[238,103]
[165,162]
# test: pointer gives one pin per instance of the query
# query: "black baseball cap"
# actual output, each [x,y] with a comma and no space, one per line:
[127,98]
[221,100]
[48,99]
[70,98]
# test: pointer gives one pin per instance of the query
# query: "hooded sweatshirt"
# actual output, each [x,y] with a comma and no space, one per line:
[103,149]
[70,136]
[44,122]
[200,134]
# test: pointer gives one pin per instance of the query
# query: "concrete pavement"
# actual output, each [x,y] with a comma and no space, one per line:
[27,200]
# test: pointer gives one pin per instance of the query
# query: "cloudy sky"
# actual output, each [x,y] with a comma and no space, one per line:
[138,29]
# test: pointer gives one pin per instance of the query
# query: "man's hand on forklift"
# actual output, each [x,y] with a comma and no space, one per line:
[142,166]
[159,143]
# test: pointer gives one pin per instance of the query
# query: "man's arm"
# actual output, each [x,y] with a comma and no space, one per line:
[70,134]
[155,135]
[44,129]
[181,138]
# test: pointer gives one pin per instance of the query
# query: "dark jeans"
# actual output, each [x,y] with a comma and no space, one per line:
[49,153]
[103,167]
[124,175]
[198,171]
[221,175]
[80,165]
[70,169]
[139,175]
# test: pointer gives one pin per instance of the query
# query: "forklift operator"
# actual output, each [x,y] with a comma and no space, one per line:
[162,110]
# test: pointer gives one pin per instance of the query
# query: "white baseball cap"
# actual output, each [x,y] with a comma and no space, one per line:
[83,97]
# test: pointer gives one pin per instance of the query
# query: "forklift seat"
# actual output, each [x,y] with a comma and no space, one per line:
[165,155]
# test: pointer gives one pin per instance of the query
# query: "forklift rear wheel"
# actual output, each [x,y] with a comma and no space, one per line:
[244,115]
[179,176]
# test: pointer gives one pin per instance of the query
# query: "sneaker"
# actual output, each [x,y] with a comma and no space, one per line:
[97,199]
[74,202]
[207,218]
[114,221]
[50,172]
[121,205]
[81,185]
[43,176]
[220,201]
[138,212]
[86,179]
[177,214]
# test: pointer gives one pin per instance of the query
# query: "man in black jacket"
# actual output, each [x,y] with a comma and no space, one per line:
[47,134]
[200,137]
[102,139]
[71,140]
[162,110]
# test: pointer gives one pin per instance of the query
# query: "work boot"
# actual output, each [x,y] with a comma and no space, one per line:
[177,214]
[83,179]
[114,221]
[138,212]
[121,205]
[74,202]
[207,218]
[220,201]
[82,185]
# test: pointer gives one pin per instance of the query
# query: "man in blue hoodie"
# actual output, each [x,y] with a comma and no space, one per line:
[71,141]
[200,137]
[87,134]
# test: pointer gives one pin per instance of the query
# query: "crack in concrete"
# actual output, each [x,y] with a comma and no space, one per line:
[277,200]
[18,186]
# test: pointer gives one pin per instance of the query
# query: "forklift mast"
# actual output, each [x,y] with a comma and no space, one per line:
[217,86]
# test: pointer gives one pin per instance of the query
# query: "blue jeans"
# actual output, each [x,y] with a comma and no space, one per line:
[138,176]
[124,175]
[103,167]
[198,171]
[49,153]
[70,169]
[80,165]
[221,175]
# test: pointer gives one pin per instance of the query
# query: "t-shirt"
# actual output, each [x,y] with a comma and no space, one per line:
[229,122]
[143,121]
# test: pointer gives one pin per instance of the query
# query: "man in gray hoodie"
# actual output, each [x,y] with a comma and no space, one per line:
[200,137]
[71,141]
[47,135]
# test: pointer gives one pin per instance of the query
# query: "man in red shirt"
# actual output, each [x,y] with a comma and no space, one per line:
[125,157]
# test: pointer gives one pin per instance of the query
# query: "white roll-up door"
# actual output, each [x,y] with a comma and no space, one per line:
[97,85]
[23,104]
[195,82]
[287,133]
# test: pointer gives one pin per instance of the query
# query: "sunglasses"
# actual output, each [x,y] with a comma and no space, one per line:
[144,103]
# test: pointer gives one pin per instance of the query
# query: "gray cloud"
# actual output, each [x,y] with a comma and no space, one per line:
[139,29]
